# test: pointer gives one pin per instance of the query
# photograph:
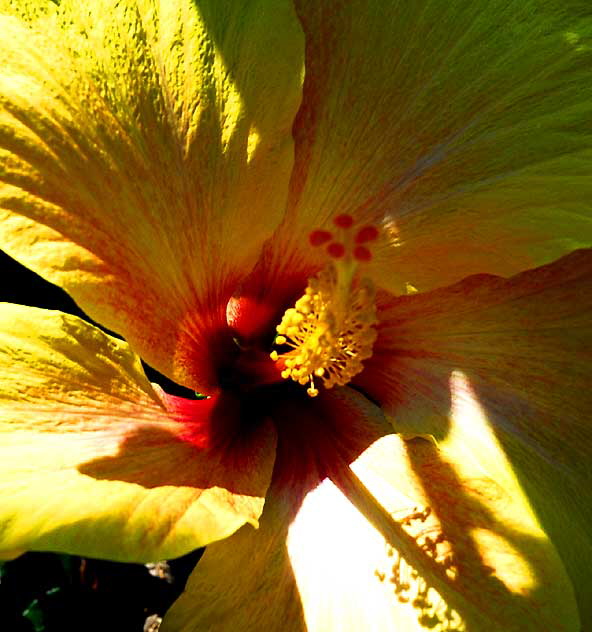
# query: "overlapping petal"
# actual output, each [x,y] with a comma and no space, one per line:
[93,461]
[145,153]
[492,360]
[144,159]
[242,583]
[248,582]
[463,128]
[354,559]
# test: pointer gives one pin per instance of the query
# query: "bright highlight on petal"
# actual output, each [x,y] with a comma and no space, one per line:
[482,561]
[93,462]
[423,542]
[452,551]
[471,432]
[385,591]
[498,371]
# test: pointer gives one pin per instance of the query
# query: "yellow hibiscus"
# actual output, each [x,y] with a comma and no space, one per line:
[399,191]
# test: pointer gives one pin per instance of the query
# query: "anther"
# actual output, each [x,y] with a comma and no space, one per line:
[311,390]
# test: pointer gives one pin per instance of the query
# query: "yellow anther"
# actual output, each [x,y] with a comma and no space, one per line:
[330,328]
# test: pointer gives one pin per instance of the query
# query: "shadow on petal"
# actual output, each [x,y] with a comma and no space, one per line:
[460,552]
[522,347]
[402,539]
[214,450]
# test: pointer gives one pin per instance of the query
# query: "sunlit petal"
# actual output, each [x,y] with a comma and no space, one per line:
[452,551]
[145,152]
[328,556]
[510,360]
[94,462]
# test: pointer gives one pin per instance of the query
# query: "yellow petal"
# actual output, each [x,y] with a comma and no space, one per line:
[145,152]
[452,550]
[31,11]
[245,583]
[10,555]
[94,462]
[462,128]
[335,556]
[248,583]
[503,360]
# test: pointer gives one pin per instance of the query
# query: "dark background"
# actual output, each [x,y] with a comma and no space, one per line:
[46,592]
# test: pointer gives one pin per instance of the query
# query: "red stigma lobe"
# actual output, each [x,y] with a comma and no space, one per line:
[319,237]
[361,253]
[336,250]
[343,221]
[368,233]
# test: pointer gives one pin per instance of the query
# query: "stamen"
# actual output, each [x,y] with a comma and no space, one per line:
[331,328]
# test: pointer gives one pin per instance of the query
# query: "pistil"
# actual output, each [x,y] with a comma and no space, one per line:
[331,328]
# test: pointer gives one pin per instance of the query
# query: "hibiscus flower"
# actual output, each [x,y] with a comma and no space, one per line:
[359,229]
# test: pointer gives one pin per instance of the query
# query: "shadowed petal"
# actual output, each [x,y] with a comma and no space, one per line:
[94,462]
[503,360]
[319,562]
[462,127]
[145,152]
[248,583]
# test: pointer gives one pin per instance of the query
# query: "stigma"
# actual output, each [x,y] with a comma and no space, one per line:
[331,328]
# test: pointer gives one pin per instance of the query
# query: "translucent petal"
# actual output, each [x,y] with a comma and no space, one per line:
[507,359]
[94,462]
[334,553]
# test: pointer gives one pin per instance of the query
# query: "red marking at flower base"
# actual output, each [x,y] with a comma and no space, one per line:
[196,418]
[204,444]
[252,317]
[204,342]
[319,237]
[361,253]
[321,436]
[343,221]
[260,301]
[367,233]
[336,250]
